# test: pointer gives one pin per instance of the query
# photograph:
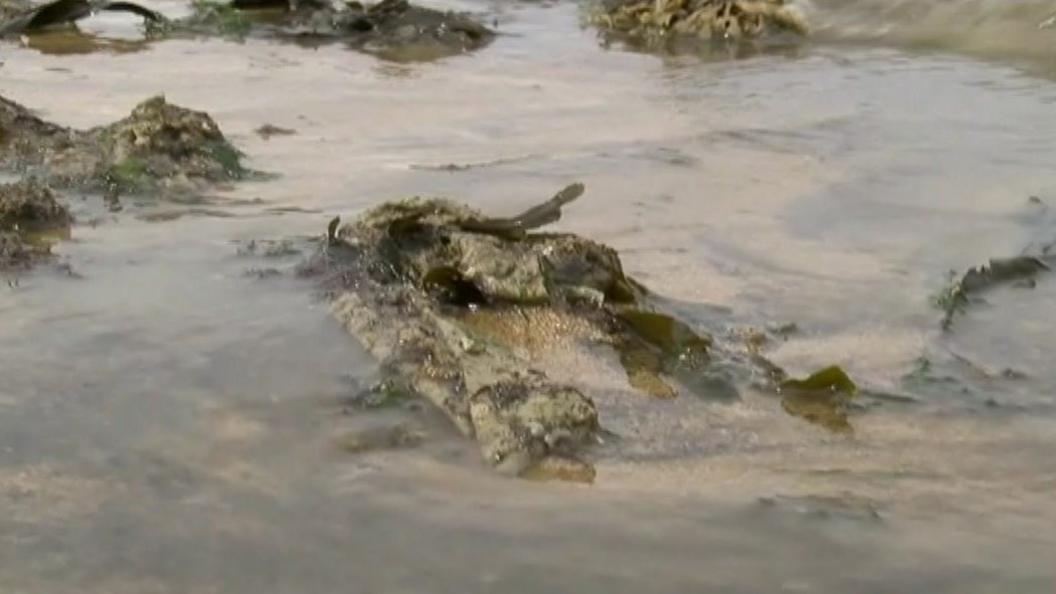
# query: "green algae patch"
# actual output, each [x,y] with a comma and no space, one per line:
[673,337]
[223,17]
[557,468]
[821,398]
[390,29]
[159,150]
[32,220]
[228,157]
[658,346]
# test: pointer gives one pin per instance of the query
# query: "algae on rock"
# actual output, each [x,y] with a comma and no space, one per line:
[159,148]
[28,210]
[653,20]
[446,298]
[30,205]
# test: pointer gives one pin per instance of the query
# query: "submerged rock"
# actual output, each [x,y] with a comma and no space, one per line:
[28,210]
[653,20]
[387,437]
[30,205]
[444,297]
[162,141]
[9,9]
[159,148]
[390,28]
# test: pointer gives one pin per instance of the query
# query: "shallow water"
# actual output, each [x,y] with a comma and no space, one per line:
[171,415]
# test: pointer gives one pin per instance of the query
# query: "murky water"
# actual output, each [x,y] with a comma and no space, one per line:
[172,417]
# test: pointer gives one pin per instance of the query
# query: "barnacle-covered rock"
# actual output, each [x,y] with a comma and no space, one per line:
[709,19]
[453,303]
[28,210]
[530,418]
[162,142]
[30,205]
[159,148]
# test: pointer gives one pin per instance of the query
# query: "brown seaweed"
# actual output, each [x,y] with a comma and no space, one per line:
[64,12]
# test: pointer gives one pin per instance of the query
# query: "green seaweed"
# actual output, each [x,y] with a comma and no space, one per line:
[227,19]
[671,336]
[657,345]
[228,157]
[130,175]
[821,398]
[644,368]
[831,379]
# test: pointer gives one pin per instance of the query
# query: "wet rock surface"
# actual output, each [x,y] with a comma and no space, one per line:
[30,205]
[158,148]
[394,29]
[394,436]
[28,209]
[446,299]
[10,9]
[391,28]
[18,18]
[656,20]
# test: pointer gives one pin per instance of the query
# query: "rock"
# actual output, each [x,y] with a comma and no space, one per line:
[397,436]
[30,205]
[159,148]
[26,140]
[455,304]
[390,28]
[530,416]
[654,20]
[28,210]
[162,141]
